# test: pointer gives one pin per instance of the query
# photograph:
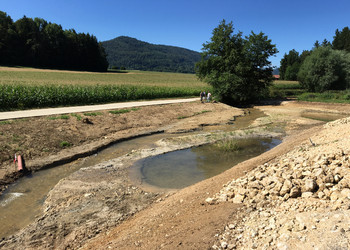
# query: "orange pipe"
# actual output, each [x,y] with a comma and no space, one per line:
[19,163]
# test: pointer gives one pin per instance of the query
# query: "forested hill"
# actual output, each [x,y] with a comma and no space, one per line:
[134,54]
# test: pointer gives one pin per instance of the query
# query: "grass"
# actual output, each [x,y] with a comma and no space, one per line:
[228,145]
[77,116]
[120,111]
[5,122]
[328,97]
[62,117]
[93,113]
[65,144]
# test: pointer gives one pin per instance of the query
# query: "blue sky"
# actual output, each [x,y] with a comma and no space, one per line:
[290,24]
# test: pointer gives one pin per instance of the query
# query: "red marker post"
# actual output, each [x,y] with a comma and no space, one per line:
[19,163]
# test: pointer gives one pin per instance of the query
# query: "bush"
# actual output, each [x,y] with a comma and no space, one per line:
[325,69]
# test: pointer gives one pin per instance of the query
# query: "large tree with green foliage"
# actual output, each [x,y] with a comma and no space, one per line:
[238,68]
[325,69]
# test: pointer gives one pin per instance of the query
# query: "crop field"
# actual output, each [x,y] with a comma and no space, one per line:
[22,88]
[38,77]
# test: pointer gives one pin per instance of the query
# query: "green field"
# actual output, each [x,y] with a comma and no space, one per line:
[22,88]
[38,77]
[284,89]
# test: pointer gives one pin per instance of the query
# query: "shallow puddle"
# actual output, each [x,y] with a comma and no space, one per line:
[183,168]
[322,116]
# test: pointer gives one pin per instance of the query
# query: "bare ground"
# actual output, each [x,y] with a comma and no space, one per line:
[177,220]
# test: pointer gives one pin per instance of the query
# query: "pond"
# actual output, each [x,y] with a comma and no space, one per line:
[185,167]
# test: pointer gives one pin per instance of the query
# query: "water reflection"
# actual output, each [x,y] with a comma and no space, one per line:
[183,168]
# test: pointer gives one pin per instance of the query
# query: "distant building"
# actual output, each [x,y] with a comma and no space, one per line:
[276,77]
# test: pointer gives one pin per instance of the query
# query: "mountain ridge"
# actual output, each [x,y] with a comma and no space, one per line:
[131,53]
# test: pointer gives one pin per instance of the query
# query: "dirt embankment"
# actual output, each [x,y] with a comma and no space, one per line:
[53,140]
[129,217]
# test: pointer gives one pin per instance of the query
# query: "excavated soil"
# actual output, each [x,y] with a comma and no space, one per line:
[99,207]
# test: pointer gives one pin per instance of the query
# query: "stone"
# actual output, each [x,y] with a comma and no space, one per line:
[232,226]
[210,201]
[335,195]
[295,192]
[224,245]
[238,198]
[310,185]
[321,195]
[287,186]
[329,179]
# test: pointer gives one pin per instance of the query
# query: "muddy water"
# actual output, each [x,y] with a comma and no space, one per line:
[183,168]
[22,201]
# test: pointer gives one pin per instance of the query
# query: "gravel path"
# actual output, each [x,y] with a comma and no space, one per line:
[89,108]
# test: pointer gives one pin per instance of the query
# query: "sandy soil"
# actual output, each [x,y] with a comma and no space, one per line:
[180,219]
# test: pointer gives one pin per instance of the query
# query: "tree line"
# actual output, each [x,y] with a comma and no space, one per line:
[38,43]
[325,67]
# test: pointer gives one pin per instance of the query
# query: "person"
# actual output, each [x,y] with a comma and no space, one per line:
[202,95]
[209,96]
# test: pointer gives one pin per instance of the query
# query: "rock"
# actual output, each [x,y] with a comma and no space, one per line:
[320,195]
[295,192]
[238,198]
[329,179]
[210,201]
[335,195]
[232,226]
[310,186]
[287,186]
[224,245]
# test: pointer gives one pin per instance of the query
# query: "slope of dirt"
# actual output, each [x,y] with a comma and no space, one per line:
[48,141]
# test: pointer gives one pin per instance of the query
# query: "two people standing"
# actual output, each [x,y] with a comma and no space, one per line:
[204,97]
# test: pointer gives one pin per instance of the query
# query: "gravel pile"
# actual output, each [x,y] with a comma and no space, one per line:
[301,200]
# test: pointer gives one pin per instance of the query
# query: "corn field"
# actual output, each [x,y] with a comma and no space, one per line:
[35,96]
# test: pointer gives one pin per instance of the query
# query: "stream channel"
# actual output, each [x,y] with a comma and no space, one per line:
[22,202]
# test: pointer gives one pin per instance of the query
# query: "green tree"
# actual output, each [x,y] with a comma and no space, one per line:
[238,68]
[341,40]
[325,69]
[287,61]
[292,72]
[6,38]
